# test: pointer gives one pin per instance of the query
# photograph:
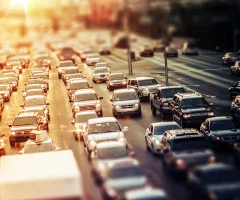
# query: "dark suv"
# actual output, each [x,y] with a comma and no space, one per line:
[22,126]
[190,109]
[184,149]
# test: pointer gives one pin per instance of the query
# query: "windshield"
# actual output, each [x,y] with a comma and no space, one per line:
[126,172]
[3,87]
[159,130]
[32,87]
[79,85]
[35,81]
[224,175]
[112,153]
[34,92]
[85,97]
[222,125]
[100,70]
[147,82]
[34,102]
[125,96]
[169,93]
[40,111]
[85,118]
[21,121]
[72,71]
[187,144]
[77,75]
[104,127]
[116,77]
[65,64]
[39,147]
[12,79]
[9,75]
[193,102]
[102,65]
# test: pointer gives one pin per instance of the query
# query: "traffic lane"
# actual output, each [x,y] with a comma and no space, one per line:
[12,108]
[60,131]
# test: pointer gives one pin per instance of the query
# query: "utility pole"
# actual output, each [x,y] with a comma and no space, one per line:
[127,32]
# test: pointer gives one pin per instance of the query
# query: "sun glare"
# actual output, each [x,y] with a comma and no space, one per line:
[20,2]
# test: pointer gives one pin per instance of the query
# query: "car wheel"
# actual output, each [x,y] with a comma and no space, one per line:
[110,88]
[12,143]
[154,111]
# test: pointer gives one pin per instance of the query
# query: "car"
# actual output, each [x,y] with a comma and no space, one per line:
[144,86]
[39,81]
[73,76]
[39,142]
[37,101]
[154,134]
[92,59]
[184,149]
[41,76]
[146,51]
[79,122]
[2,148]
[22,126]
[102,129]
[85,53]
[31,87]
[215,181]
[62,65]
[6,82]
[235,112]
[100,74]
[15,65]
[104,153]
[75,85]
[128,173]
[1,102]
[43,60]
[234,90]
[171,51]
[235,69]
[147,193]
[4,93]
[105,50]
[42,113]
[68,71]
[86,99]
[190,109]
[116,80]
[10,73]
[161,44]
[229,58]
[161,100]
[66,53]
[126,102]
[220,131]
[102,64]
[190,48]
[13,82]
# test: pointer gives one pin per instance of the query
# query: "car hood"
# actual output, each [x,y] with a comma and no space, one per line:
[225,191]
[192,110]
[99,137]
[84,103]
[25,127]
[158,137]
[123,184]
[232,132]
[127,102]
[37,106]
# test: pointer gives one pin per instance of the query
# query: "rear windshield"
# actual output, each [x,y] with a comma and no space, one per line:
[169,93]
[116,77]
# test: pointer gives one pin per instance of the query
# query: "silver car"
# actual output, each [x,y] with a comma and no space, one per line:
[154,134]
[100,74]
[125,102]
[92,59]
[116,80]
[102,129]
[122,176]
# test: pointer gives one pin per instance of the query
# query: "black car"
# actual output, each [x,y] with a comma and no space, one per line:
[234,90]
[220,131]
[216,181]
[184,149]
[235,109]
[229,58]
[190,109]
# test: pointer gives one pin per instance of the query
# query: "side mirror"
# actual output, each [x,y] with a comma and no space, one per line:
[47,103]
[100,98]
[210,104]
[111,100]
[9,125]
[21,105]
[125,129]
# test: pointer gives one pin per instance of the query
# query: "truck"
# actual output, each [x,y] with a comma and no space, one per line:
[46,175]
[161,100]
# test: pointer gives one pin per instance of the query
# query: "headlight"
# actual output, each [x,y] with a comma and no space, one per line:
[98,105]
[145,89]
[111,83]
[136,105]
[212,160]
[210,114]
[165,104]
[157,142]
[76,108]
[186,115]
[111,192]
[13,133]
[124,82]
[180,164]
[117,107]
[122,139]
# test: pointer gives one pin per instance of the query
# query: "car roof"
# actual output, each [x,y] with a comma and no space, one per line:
[142,78]
[65,61]
[190,95]
[220,118]
[32,108]
[110,144]
[37,89]
[98,68]
[86,112]
[35,97]
[85,91]
[169,87]
[163,124]
[145,193]
[26,114]
[102,120]
[125,90]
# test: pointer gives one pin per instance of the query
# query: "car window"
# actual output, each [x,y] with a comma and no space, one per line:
[128,171]
[34,102]
[125,96]
[134,82]
[159,130]
[79,85]
[85,97]
[147,82]
[193,102]
[116,77]
[103,127]
[85,118]
[222,125]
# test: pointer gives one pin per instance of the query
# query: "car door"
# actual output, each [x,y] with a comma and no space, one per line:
[177,110]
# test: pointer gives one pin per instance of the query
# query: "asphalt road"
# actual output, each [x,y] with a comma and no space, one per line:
[203,73]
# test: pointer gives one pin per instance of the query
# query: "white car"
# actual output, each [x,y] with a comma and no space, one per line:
[102,129]
[154,134]
[92,59]
[100,74]
[125,102]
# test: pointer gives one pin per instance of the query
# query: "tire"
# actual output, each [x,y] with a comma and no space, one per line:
[154,111]
[12,143]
